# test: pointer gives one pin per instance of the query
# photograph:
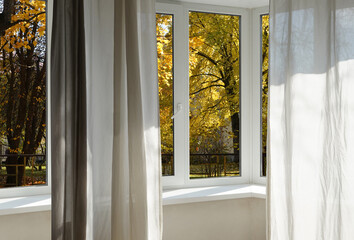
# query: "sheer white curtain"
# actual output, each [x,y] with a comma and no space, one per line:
[311,120]
[136,150]
[124,195]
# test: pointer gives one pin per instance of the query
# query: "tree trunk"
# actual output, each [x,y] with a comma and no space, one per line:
[5,16]
[14,170]
[235,123]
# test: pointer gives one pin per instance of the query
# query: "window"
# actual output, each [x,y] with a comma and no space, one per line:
[214,95]
[164,35]
[23,96]
[210,101]
[264,85]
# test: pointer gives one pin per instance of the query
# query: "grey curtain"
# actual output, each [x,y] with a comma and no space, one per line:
[68,121]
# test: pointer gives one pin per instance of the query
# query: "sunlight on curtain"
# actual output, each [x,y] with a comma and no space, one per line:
[311,119]
[124,173]
[136,190]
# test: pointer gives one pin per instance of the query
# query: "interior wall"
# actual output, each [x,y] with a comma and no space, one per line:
[237,219]
[29,226]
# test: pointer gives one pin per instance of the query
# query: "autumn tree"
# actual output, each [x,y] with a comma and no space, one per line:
[214,84]
[23,80]
[265,68]
[164,35]
[214,42]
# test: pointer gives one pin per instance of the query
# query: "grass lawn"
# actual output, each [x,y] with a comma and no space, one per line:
[32,176]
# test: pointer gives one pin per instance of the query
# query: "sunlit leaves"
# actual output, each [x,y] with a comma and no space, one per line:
[214,81]
[22,77]
[265,72]
[164,35]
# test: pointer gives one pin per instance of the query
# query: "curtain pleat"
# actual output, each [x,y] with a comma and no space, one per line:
[136,190]
[68,120]
[105,125]
[311,120]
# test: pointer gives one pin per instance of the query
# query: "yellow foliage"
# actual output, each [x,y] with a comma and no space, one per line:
[22,58]
[214,81]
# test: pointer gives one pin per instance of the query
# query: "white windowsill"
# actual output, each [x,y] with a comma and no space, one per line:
[204,194]
[25,204]
[179,196]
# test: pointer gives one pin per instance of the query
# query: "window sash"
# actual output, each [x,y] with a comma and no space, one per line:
[181,96]
[257,177]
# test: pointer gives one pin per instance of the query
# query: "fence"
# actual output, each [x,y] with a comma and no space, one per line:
[205,165]
[15,166]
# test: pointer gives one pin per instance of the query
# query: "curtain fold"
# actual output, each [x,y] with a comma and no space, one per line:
[105,121]
[311,120]
[136,186]
[68,120]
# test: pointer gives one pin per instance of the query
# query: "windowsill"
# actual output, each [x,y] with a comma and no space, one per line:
[170,197]
[205,194]
[25,204]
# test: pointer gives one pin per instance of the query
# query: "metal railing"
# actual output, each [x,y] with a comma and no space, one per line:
[168,167]
[16,164]
[205,164]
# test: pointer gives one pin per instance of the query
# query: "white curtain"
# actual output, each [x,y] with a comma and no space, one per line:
[311,120]
[124,195]
[136,150]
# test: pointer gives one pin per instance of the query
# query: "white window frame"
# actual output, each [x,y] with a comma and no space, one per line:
[178,74]
[12,192]
[181,95]
[256,94]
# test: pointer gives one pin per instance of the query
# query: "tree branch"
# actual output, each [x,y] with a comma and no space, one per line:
[27,20]
[6,15]
[2,47]
[202,89]
[215,63]
[206,74]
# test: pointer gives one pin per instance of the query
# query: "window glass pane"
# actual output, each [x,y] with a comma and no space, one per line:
[23,94]
[164,35]
[264,79]
[214,88]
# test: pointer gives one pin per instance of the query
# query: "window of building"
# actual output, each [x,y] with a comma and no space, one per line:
[209,87]
[23,95]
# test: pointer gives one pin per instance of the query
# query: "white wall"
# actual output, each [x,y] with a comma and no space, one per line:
[26,226]
[238,219]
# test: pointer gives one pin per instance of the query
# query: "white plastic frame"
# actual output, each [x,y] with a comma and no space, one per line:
[179,49]
[181,95]
[256,94]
